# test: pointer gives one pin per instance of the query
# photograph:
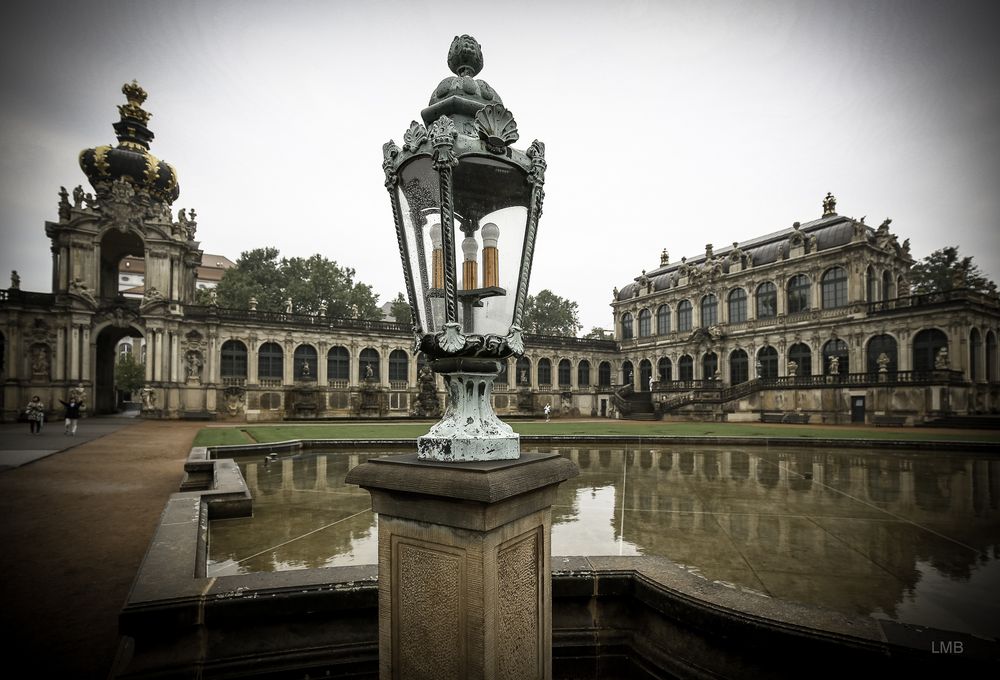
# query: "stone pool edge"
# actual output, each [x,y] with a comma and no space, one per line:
[612,616]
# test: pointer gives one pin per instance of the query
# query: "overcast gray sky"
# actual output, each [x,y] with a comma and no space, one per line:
[667,124]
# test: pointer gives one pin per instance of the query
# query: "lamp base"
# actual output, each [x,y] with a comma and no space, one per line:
[469,430]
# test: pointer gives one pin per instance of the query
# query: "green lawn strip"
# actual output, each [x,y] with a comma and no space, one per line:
[395,430]
[221,436]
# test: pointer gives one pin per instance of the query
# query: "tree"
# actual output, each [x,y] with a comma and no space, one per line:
[130,374]
[400,310]
[598,333]
[549,314]
[259,273]
[944,269]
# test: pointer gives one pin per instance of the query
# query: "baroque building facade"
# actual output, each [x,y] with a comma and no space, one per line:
[815,323]
[806,320]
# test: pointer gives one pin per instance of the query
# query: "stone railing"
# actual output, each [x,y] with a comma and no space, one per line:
[703,393]
[962,296]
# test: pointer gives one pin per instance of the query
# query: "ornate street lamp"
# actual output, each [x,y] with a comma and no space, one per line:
[466,206]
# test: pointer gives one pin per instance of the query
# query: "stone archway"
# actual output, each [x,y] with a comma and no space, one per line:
[105,358]
[115,245]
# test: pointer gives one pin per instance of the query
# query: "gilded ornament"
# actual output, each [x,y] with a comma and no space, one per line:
[101,160]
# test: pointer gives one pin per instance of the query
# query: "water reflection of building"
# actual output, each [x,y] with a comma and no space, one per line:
[840,529]
[305,516]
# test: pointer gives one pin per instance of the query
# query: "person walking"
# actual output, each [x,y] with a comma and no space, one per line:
[36,414]
[72,415]
[548,410]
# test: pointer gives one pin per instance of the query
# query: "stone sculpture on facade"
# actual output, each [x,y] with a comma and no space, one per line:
[941,361]
[64,206]
[193,364]
[793,368]
[829,205]
[148,397]
[15,280]
[834,365]
[883,362]
[428,405]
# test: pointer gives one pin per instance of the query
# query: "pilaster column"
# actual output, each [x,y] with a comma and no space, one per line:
[85,353]
[322,378]
[59,369]
[252,363]
[158,357]
[175,357]
[288,364]
[74,353]
[150,345]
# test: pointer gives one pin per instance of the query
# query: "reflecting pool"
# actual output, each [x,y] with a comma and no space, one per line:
[909,536]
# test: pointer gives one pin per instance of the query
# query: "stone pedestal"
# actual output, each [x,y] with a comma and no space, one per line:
[464,565]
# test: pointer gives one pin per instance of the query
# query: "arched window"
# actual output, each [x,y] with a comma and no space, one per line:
[877,346]
[645,373]
[501,378]
[799,290]
[304,362]
[368,365]
[709,311]
[739,367]
[645,323]
[233,359]
[887,288]
[709,365]
[991,356]
[684,316]
[685,368]
[604,374]
[124,349]
[835,357]
[834,288]
[802,356]
[767,362]
[544,372]
[583,373]
[627,374]
[270,362]
[927,344]
[338,364]
[767,300]
[399,366]
[662,320]
[737,305]
[565,373]
[975,347]
[523,371]
[870,295]
[626,326]
[665,370]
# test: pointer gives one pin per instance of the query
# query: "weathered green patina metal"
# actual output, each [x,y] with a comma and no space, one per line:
[457,176]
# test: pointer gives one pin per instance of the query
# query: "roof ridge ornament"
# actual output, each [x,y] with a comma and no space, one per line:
[829,205]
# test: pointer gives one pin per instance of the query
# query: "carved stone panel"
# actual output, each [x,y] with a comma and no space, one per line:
[520,639]
[428,577]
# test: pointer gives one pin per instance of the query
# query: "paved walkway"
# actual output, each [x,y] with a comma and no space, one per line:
[76,516]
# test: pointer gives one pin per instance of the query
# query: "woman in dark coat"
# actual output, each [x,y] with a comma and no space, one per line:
[72,414]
